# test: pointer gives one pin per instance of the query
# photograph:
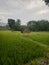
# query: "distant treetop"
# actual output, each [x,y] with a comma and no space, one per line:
[47,2]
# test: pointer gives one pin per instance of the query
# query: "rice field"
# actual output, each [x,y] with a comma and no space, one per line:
[18,49]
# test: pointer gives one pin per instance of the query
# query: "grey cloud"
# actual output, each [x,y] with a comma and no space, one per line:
[24,9]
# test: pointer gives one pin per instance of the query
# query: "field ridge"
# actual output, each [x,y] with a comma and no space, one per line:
[39,43]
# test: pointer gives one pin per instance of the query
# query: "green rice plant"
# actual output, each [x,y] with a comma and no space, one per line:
[42,37]
[15,49]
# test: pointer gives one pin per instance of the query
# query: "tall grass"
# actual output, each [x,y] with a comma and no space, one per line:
[16,49]
[42,37]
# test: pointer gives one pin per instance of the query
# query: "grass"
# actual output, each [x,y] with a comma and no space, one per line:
[17,49]
[42,37]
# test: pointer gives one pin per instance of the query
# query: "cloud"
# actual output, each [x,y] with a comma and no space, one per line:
[5,13]
[34,4]
[24,9]
[41,12]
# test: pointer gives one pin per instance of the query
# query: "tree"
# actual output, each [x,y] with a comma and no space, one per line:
[46,1]
[18,24]
[31,25]
[11,24]
[42,25]
[23,27]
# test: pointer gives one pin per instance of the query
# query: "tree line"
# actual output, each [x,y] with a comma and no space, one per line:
[41,25]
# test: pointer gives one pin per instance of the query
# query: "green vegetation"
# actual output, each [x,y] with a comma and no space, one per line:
[40,25]
[18,49]
[47,2]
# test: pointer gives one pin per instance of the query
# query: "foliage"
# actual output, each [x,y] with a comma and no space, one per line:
[46,1]
[42,25]
[23,27]
[17,25]
[14,25]
[11,24]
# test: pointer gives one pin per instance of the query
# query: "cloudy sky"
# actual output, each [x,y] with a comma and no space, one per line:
[25,10]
